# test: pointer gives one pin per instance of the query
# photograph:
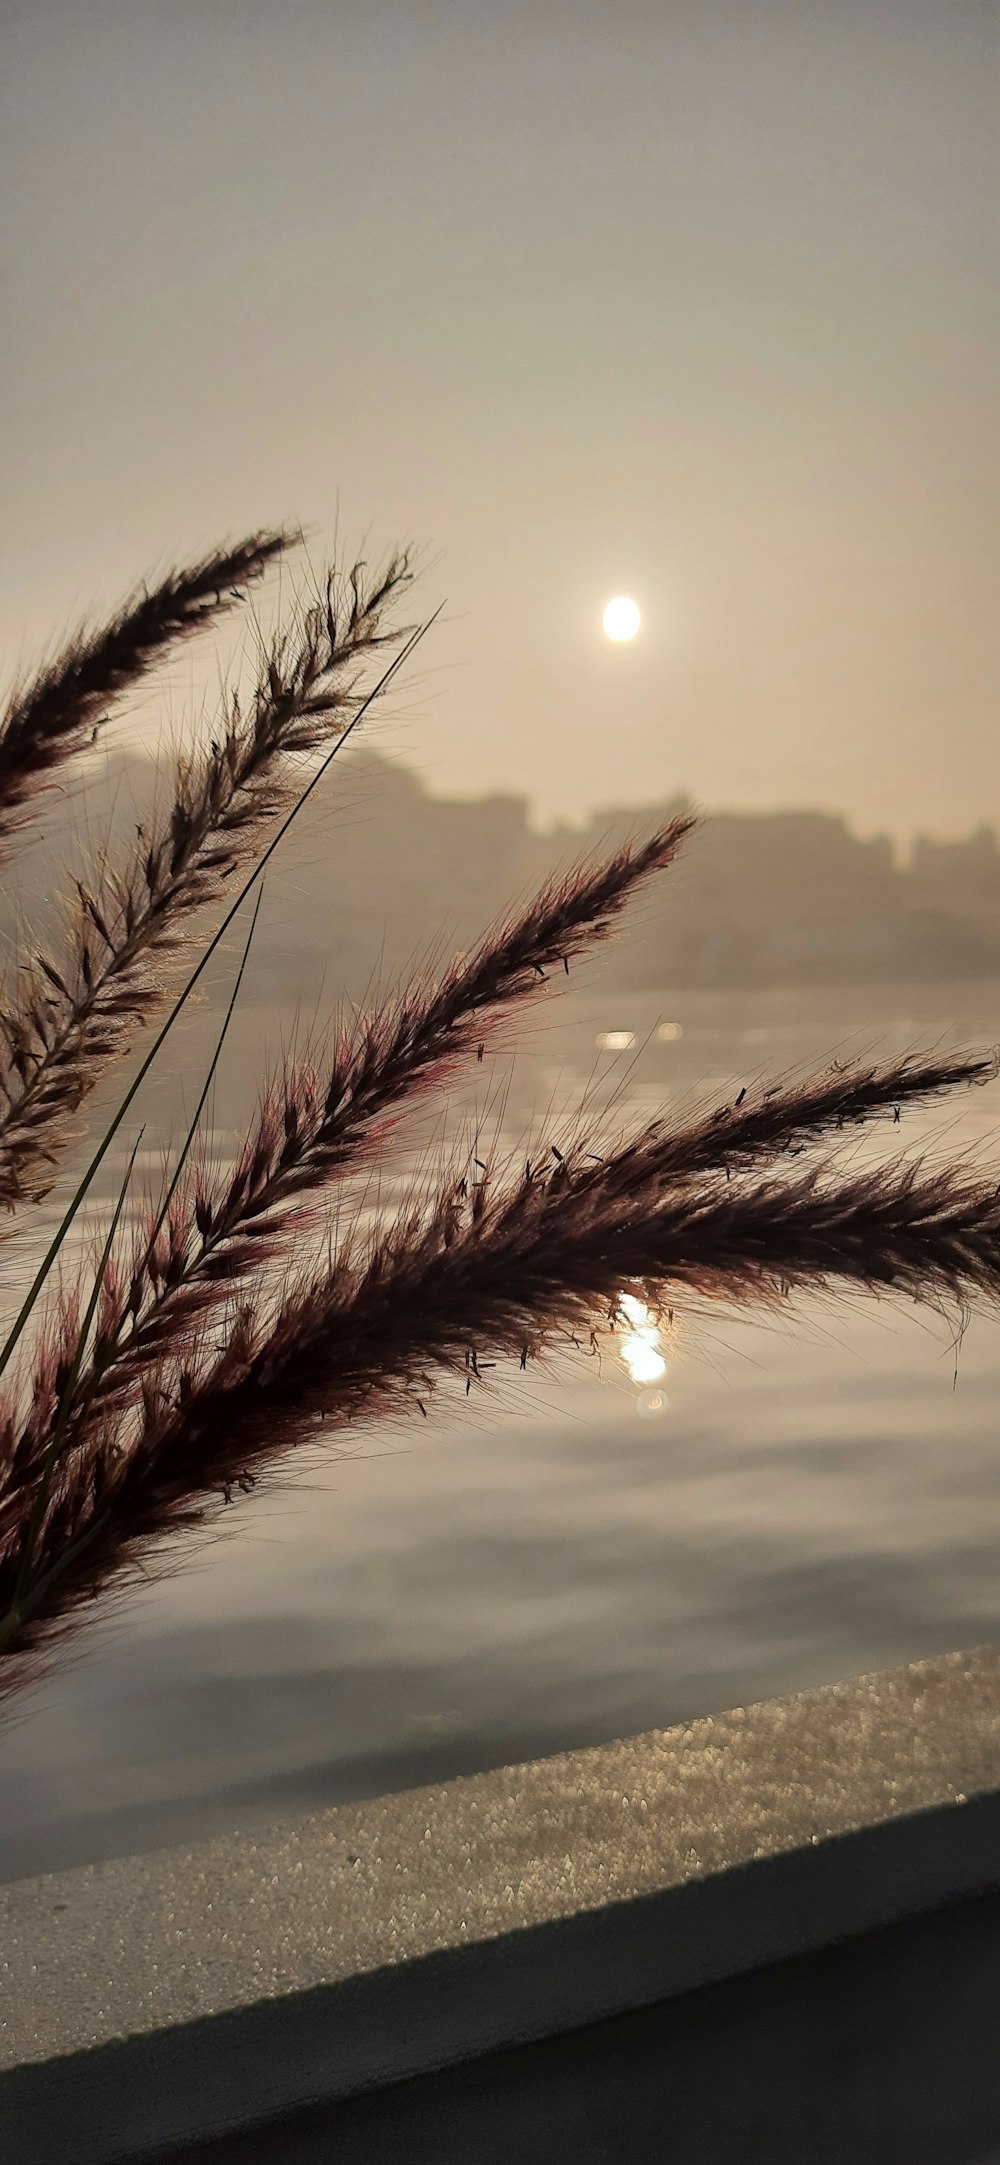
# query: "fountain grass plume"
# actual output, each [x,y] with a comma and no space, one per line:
[516,1270]
[52,716]
[778,1120]
[66,1016]
[216,1230]
[184,1361]
[212,1231]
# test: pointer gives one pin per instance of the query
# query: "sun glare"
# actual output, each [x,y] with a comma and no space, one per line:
[639,1345]
[621,618]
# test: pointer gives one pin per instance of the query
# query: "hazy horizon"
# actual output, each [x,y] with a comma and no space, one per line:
[352,792]
[693,304]
[686,302]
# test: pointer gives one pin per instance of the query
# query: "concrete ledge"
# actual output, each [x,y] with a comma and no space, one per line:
[159,2001]
[883,2050]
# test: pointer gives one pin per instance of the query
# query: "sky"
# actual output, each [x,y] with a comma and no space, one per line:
[693,302]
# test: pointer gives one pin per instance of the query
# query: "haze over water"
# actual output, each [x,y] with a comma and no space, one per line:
[687,305]
[576,1560]
[693,304]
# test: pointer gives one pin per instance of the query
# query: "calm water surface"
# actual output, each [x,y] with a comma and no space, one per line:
[583,1557]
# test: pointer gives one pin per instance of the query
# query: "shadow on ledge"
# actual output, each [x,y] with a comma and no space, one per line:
[884,2050]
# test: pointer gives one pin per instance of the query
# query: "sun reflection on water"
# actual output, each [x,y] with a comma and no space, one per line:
[639,1345]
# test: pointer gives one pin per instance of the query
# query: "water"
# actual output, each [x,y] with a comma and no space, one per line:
[584,1557]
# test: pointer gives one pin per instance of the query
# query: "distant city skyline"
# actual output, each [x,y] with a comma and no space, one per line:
[378,869]
[691,304]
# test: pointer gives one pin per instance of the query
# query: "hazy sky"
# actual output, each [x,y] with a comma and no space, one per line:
[692,301]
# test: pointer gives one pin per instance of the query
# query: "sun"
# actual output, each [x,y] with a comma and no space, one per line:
[621,618]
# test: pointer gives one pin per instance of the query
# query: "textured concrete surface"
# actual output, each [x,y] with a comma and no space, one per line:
[174,1995]
[884,2050]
